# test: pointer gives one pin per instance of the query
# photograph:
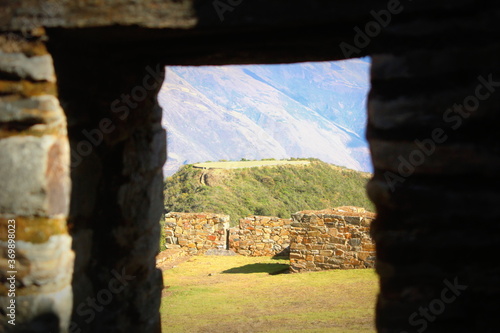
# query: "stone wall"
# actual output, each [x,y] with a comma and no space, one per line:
[261,236]
[196,232]
[331,239]
[118,148]
[314,240]
[432,129]
[36,260]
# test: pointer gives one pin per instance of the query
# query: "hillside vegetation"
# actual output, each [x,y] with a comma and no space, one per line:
[271,191]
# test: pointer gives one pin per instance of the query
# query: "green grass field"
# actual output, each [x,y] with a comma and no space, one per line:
[238,294]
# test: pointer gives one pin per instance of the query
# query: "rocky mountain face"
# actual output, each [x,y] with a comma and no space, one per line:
[267,111]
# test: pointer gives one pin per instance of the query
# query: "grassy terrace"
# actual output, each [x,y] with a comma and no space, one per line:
[246,164]
[279,190]
[240,294]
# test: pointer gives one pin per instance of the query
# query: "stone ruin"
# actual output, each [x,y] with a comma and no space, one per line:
[261,236]
[331,239]
[196,233]
[82,147]
[314,240]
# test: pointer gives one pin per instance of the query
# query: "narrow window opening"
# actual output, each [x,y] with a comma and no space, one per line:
[251,144]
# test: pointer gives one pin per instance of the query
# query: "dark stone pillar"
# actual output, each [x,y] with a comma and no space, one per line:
[435,143]
[118,148]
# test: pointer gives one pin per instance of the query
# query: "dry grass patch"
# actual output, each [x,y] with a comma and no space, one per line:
[239,294]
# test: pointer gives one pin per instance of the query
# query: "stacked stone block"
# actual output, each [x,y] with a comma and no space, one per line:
[261,236]
[118,149]
[35,189]
[331,239]
[196,232]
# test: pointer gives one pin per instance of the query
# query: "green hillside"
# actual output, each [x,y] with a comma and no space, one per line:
[271,190]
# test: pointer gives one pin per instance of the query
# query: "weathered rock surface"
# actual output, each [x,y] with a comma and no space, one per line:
[18,65]
[35,189]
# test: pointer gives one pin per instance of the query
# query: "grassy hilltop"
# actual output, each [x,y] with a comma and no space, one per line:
[278,190]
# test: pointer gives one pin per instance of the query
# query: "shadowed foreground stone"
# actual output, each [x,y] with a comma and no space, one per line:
[118,150]
[34,195]
[433,118]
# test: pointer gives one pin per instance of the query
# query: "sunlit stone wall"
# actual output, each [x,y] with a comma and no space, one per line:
[331,239]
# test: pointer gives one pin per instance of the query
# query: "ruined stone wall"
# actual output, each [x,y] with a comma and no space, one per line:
[261,236]
[314,240]
[196,232]
[331,239]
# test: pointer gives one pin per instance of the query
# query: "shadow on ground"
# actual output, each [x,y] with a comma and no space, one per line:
[271,269]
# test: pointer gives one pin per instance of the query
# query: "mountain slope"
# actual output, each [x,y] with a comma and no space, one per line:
[274,191]
[234,112]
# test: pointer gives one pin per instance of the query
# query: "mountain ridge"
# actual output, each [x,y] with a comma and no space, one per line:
[255,112]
